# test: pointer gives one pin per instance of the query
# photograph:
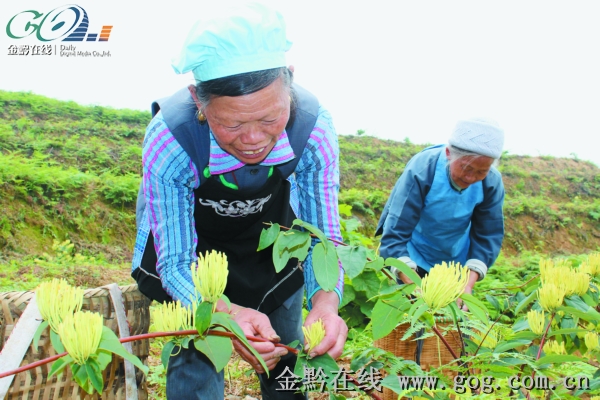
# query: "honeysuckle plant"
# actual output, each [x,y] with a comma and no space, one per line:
[56,300]
[548,327]
[90,346]
[81,334]
[209,275]
[550,315]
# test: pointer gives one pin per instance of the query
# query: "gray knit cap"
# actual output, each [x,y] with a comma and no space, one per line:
[479,135]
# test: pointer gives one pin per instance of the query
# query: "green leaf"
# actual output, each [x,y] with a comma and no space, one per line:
[577,303]
[268,236]
[300,252]
[402,267]
[328,364]
[224,320]
[82,378]
[568,331]
[349,295]
[591,315]
[511,344]
[354,259]
[280,254]
[385,318]
[294,344]
[218,349]
[325,265]
[525,302]
[313,229]
[524,335]
[476,307]
[166,353]
[375,264]
[38,333]
[203,315]
[95,375]
[110,342]
[295,238]
[494,302]
[226,301]
[419,311]
[56,343]
[293,243]
[589,300]
[59,365]
[558,358]
[103,358]
[367,282]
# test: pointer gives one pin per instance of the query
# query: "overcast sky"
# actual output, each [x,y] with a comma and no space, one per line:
[396,69]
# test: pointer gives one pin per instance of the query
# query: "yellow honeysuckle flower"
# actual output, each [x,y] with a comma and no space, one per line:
[210,276]
[545,265]
[591,341]
[537,321]
[57,299]
[553,347]
[591,265]
[594,262]
[80,333]
[170,317]
[580,283]
[444,284]
[551,296]
[314,334]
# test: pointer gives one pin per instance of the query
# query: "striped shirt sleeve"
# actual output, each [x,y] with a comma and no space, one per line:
[317,178]
[170,178]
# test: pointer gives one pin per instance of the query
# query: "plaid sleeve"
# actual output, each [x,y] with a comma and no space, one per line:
[317,178]
[168,183]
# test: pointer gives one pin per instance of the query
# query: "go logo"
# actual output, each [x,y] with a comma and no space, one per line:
[69,22]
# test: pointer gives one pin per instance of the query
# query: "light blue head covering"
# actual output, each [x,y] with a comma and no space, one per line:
[248,38]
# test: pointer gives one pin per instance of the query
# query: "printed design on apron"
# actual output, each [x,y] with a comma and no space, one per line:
[236,208]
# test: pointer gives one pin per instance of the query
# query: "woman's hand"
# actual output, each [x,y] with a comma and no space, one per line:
[473,277]
[256,324]
[325,308]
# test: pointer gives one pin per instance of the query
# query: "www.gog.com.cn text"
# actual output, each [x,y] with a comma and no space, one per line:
[489,384]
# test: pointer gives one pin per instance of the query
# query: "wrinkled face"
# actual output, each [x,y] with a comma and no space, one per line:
[469,170]
[248,126]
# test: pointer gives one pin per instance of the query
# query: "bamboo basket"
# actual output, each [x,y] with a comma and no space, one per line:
[434,353]
[33,384]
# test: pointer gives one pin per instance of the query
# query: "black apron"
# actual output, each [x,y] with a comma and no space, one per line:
[230,221]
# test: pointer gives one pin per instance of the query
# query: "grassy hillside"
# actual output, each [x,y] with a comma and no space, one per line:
[72,172]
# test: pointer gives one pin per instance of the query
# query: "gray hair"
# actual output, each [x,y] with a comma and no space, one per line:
[241,84]
[456,153]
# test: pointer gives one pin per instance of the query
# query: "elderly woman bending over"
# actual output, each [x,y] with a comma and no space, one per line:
[447,204]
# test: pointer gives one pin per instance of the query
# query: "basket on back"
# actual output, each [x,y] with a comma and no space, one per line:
[33,384]
[433,353]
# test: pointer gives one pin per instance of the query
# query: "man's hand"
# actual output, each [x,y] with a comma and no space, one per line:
[325,307]
[256,324]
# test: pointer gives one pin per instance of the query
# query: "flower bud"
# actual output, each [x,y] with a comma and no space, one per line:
[553,347]
[580,283]
[80,333]
[210,276]
[57,299]
[314,334]
[591,341]
[444,284]
[170,317]
[551,296]
[536,321]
